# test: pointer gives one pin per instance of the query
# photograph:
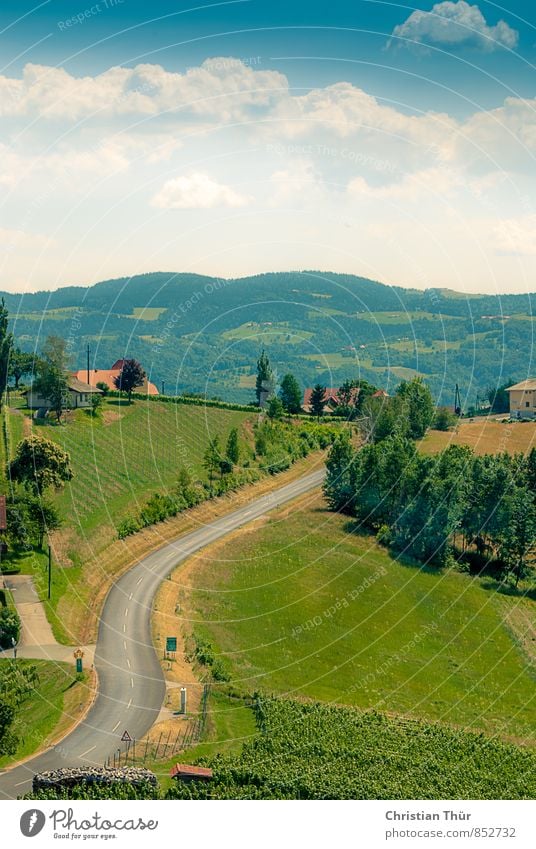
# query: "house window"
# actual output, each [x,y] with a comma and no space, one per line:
[527,403]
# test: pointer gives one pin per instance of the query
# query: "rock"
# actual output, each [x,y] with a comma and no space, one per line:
[69,776]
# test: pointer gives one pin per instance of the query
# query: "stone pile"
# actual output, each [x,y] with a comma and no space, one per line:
[69,776]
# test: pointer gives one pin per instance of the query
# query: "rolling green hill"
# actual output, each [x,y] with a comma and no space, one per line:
[203,334]
[304,608]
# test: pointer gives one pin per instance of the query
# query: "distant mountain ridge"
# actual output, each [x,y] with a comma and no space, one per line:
[125,291]
[203,334]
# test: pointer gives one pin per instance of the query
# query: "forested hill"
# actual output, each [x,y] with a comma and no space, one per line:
[203,334]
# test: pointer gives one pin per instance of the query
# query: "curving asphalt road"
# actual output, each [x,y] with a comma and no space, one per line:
[131,684]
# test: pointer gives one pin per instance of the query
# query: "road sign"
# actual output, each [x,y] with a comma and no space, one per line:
[126,738]
[171,643]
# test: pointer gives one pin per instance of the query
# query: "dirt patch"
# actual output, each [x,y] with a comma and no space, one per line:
[111,416]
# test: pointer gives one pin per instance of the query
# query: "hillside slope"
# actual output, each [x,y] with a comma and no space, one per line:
[203,334]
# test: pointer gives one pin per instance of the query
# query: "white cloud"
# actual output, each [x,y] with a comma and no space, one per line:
[226,88]
[196,191]
[430,183]
[516,236]
[455,23]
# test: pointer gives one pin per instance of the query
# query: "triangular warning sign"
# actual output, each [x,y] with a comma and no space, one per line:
[126,738]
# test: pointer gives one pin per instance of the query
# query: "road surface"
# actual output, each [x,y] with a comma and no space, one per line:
[131,684]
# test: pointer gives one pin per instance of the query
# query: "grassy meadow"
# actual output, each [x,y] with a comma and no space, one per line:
[55,699]
[124,454]
[302,607]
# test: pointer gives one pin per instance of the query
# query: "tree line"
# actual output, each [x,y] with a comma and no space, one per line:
[452,507]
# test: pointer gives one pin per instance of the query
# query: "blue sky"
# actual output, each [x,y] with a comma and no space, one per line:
[239,137]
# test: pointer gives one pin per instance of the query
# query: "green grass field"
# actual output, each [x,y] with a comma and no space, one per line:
[148,313]
[302,607]
[38,715]
[276,333]
[128,452]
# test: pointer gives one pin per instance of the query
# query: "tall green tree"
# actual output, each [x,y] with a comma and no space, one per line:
[232,451]
[6,345]
[417,406]
[519,532]
[52,372]
[339,481]
[20,364]
[212,461]
[264,382]
[318,400]
[39,464]
[498,397]
[290,394]
[131,377]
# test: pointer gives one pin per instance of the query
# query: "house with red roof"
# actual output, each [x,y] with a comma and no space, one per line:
[107,376]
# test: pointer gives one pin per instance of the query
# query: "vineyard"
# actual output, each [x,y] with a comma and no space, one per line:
[314,751]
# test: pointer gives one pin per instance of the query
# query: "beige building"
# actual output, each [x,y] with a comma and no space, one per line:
[78,395]
[523,399]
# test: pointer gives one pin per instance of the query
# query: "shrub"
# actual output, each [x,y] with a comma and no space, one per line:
[128,526]
[9,627]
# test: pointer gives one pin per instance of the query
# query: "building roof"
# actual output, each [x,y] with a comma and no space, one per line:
[78,385]
[103,375]
[523,386]
[331,394]
[189,771]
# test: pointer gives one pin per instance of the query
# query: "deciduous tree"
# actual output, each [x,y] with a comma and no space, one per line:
[39,464]
[290,394]
[131,377]
[232,451]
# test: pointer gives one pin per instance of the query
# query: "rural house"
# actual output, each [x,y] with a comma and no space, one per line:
[107,376]
[332,398]
[79,396]
[522,397]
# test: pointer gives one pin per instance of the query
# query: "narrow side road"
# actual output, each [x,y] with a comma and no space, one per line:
[131,685]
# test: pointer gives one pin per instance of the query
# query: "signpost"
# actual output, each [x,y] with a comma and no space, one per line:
[171,645]
[125,737]
[78,655]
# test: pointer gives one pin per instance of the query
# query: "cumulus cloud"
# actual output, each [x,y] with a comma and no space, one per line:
[196,191]
[516,236]
[456,23]
[227,88]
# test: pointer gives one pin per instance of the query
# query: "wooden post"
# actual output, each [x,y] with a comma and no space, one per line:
[49,570]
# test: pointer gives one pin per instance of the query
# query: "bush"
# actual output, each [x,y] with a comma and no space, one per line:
[128,526]
[444,419]
[205,655]
[9,627]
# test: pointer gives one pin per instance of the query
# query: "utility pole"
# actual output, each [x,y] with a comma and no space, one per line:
[49,569]
[88,362]
[163,388]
